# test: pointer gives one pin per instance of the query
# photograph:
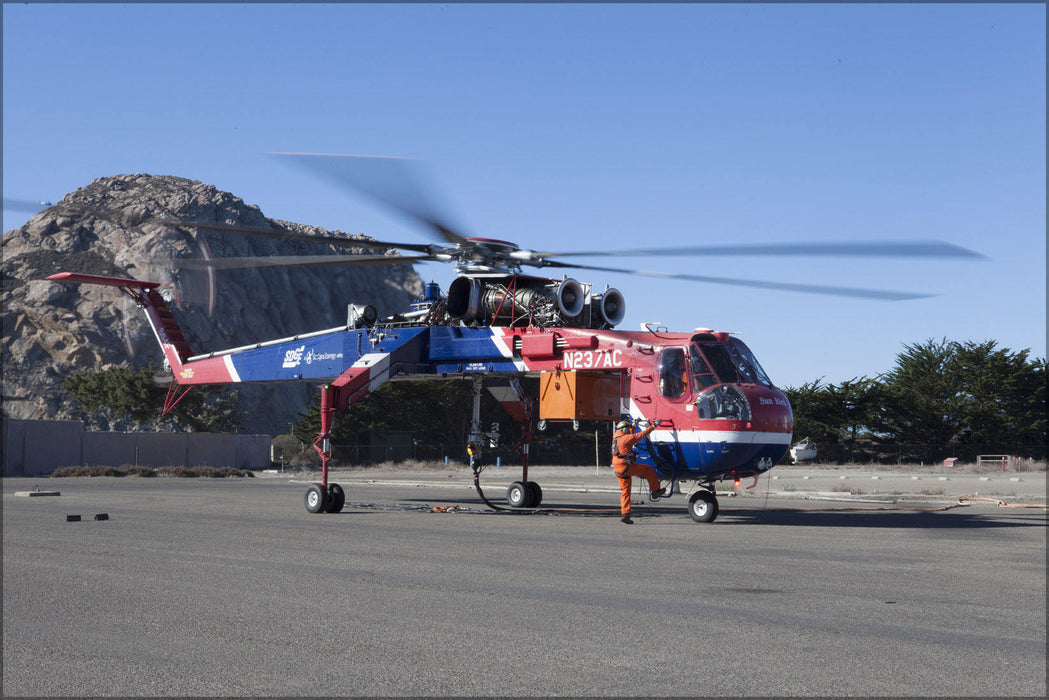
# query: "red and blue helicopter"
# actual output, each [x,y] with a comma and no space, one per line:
[721,416]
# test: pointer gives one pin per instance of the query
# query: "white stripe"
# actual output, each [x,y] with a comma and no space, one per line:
[745,437]
[379,364]
[506,348]
[228,361]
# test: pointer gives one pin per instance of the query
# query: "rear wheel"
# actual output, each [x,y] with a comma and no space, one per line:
[316,498]
[703,506]
[535,494]
[336,498]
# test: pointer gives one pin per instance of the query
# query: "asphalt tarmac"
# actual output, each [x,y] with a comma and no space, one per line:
[229,587]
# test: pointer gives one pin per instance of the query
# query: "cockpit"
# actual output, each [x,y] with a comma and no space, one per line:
[705,373]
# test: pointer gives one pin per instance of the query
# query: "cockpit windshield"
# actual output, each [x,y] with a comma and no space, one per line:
[745,356]
[733,363]
[720,362]
[702,376]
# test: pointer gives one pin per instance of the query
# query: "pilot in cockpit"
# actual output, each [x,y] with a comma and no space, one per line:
[672,378]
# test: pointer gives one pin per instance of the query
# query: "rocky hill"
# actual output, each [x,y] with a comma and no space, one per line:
[115,226]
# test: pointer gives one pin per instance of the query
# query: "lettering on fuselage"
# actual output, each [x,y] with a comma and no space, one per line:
[771,402]
[292,358]
[593,359]
[312,357]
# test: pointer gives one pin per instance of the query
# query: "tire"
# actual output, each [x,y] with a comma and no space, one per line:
[316,499]
[517,495]
[535,494]
[703,506]
[336,498]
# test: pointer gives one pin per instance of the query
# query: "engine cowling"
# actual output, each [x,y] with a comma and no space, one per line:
[535,301]
[611,307]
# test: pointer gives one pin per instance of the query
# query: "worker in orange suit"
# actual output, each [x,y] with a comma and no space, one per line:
[623,463]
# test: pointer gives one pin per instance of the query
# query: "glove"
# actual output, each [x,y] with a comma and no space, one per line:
[657,422]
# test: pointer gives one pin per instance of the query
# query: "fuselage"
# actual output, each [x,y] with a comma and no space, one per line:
[721,417]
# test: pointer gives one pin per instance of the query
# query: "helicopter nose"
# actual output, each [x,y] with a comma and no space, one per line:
[770,410]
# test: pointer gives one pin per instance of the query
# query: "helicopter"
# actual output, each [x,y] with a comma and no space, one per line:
[719,416]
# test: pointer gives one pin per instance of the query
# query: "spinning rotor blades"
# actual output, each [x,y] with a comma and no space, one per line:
[391,181]
[396,183]
[886,249]
[858,293]
[292,260]
[295,236]
[25,205]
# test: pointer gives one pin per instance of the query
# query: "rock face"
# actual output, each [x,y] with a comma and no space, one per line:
[116,226]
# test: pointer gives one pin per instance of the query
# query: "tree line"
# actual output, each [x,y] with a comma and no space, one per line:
[128,393]
[940,393]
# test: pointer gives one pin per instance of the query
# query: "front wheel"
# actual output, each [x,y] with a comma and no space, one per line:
[316,498]
[703,506]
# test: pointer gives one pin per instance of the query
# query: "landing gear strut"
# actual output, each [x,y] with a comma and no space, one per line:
[523,493]
[325,497]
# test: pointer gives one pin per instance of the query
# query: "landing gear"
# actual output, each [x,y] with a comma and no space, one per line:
[316,498]
[525,494]
[336,498]
[517,495]
[536,494]
[703,506]
[321,500]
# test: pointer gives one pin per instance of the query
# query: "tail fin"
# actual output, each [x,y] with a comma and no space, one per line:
[167,331]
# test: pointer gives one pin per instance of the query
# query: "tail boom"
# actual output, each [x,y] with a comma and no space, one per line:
[165,328]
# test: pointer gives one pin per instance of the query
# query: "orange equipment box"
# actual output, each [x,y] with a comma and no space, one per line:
[581,395]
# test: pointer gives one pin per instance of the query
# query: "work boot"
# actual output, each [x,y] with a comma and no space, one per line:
[658,493]
[626,519]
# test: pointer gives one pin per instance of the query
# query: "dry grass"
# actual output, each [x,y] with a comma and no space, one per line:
[131,470]
[410,465]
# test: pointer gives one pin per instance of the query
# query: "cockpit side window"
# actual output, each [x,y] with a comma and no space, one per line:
[702,376]
[673,377]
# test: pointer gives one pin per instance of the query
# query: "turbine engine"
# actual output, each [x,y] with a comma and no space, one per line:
[512,301]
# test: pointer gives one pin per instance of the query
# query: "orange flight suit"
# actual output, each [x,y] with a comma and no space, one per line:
[625,441]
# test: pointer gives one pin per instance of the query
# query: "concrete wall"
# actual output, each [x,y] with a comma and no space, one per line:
[32,448]
[110,449]
[31,444]
[162,450]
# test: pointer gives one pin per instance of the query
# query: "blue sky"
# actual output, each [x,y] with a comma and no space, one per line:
[575,127]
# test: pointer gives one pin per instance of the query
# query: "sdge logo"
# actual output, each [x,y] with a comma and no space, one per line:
[292,358]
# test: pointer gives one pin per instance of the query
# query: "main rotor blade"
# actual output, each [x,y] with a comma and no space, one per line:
[11,204]
[296,236]
[887,249]
[391,181]
[854,292]
[294,260]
